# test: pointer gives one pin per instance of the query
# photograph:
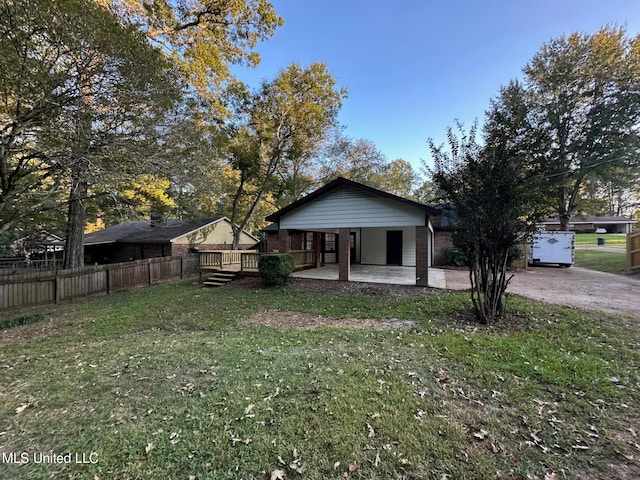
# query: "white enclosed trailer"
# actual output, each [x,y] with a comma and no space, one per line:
[552,247]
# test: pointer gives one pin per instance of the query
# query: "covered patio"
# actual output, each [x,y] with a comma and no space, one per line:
[392,275]
[352,228]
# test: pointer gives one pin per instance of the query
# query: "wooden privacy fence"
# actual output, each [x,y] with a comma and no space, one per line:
[633,251]
[52,286]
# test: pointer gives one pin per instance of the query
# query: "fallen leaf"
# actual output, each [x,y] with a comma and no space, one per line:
[21,408]
[353,466]
[370,432]
[336,465]
[278,475]
[481,435]
[580,447]
[551,476]
[149,447]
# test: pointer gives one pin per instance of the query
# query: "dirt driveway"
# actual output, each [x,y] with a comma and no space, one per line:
[574,286]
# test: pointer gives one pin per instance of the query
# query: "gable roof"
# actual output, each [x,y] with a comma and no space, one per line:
[145,232]
[341,181]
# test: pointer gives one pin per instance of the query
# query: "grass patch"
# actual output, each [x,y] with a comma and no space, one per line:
[609,262]
[611,239]
[170,382]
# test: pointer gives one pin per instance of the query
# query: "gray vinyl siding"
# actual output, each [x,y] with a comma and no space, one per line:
[373,246]
[345,207]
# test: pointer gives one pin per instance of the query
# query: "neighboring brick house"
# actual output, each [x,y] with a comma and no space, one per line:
[347,222]
[160,238]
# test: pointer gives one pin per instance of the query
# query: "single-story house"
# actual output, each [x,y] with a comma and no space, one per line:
[589,223]
[347,222]
[161,237]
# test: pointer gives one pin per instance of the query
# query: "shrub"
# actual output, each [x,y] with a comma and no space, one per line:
[275,268]
[455,256]
[24,320]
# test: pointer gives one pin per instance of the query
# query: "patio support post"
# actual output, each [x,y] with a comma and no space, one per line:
[283,240]
[422,256]
[317,248]
[344,252]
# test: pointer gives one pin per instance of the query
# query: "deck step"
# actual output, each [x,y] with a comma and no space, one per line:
[219,279]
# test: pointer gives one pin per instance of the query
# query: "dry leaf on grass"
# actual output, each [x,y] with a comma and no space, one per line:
[278,475]
[353,466]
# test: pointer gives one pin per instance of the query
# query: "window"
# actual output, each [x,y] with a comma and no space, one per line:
[329,242]
[307,241]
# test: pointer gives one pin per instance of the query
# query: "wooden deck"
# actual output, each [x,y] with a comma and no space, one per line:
[246,261]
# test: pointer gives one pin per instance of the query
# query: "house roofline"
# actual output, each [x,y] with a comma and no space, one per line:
[275,217]
[211,223]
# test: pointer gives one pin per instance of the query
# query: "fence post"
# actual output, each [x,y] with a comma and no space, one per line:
[149,266]
[56,287]
[108,280]
[181,268]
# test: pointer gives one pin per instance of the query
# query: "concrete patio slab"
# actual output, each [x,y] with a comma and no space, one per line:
[391,275]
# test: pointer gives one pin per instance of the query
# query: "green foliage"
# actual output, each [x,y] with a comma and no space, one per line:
[455,256]
[21,320]
[83,104]
[203,37]
[495,191]
[275,269]
[582,105]
[286,118]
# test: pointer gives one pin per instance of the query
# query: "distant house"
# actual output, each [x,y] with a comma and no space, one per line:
[160,238]
[612,224]
[347,222]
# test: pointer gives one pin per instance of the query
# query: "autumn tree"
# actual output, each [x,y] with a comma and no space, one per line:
[286,115]
[204,37]
[34,89]
[84,98]
[583,99]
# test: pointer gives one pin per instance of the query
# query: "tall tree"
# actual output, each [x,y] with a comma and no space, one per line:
[204,37]
[83,104]
[356,159]
[397,177]
[288,114]
[583,94]
[35,86]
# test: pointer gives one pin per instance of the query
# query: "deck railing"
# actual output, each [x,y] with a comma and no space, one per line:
[303,258]
[247,260]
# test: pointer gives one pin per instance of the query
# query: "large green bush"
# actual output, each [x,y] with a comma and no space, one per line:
[275,268]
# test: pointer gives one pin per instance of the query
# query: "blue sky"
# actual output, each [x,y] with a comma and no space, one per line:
[412,67]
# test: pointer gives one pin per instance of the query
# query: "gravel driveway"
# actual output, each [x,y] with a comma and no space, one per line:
[574,286]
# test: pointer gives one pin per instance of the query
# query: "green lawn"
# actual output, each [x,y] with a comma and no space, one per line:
[172,382]
[601,261]
[611,239]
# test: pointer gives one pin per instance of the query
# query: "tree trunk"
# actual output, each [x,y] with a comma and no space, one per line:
[76,219]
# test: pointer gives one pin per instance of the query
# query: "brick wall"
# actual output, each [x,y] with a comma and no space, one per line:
[442,240]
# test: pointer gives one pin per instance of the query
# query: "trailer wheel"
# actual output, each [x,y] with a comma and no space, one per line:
[565,265]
